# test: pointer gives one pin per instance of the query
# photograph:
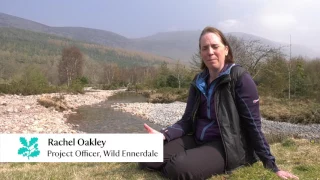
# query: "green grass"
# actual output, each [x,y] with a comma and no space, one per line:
[298,156]
[303,111]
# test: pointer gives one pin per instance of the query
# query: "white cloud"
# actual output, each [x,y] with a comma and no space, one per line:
[229,24]
[275,20]
[278,21]
[173,28]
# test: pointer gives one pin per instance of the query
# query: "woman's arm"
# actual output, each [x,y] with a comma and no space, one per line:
[247,100]
[183,126]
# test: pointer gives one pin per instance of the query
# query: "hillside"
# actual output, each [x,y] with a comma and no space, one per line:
[76,33]
[176,45]
[20,49]
[32,44]
[296,49]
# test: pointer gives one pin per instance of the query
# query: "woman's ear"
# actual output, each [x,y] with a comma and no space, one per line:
[226,50]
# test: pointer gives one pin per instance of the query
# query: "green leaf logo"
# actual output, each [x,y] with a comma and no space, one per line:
[29,149]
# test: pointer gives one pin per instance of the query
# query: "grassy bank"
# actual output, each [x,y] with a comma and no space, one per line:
[165,95]
[303,111]
[295,155]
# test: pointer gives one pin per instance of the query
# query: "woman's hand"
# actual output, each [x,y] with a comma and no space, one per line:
[152,131]
[286,175]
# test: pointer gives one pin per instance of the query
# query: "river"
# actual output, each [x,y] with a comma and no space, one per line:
[101,118]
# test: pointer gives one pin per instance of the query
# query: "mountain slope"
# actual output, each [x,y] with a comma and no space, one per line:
[13,21]
[77,33]
[296,49]
[32,46]
[174,45]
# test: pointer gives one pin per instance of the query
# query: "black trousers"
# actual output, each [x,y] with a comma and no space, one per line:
[184,158]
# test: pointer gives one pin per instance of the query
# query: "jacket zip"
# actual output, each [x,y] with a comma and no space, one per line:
[215,106]
[224,144]
[195,110]
[210,93]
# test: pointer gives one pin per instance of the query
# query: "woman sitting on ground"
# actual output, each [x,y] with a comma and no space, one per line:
[221,127]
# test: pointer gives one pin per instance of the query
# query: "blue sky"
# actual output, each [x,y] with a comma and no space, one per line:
[272,19]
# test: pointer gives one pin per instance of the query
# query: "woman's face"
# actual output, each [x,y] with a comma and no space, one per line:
[212,51]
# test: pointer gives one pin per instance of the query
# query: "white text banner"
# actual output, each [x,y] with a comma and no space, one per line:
[81,148]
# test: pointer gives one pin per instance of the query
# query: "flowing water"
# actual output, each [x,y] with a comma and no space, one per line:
[101,118]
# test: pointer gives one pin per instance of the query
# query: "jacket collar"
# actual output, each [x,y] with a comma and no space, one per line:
[201,78]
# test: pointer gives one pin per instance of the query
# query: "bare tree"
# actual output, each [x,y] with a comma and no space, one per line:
[110,71]
[195,63]
[71,65]
[93,70]
[180,72]
[273,76]
[251,53]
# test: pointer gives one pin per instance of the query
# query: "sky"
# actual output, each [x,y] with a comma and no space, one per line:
[276,20]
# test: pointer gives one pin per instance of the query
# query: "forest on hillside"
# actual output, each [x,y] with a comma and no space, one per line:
[275,73]
[21,48]
[35,63]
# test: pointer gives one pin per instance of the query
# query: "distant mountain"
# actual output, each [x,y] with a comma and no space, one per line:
[296,50]
[76,33]
[26,46]
[13,21]
[184,44]
[175,45]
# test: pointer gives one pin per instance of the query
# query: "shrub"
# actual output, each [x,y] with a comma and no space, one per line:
[84,80]
[288,143]
[77,86]
[31,82]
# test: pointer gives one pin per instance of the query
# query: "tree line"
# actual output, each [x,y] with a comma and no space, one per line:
[269,67]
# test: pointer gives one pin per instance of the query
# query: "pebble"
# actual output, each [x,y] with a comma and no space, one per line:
[23,114]
[168,114]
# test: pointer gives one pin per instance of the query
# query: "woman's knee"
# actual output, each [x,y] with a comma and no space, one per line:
[183,166]
[178,168]
[151,165]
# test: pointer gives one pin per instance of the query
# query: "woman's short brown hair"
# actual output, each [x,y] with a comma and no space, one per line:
[208,29]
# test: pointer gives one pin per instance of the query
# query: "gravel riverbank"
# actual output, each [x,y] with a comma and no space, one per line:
[23,114]
[167,114]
